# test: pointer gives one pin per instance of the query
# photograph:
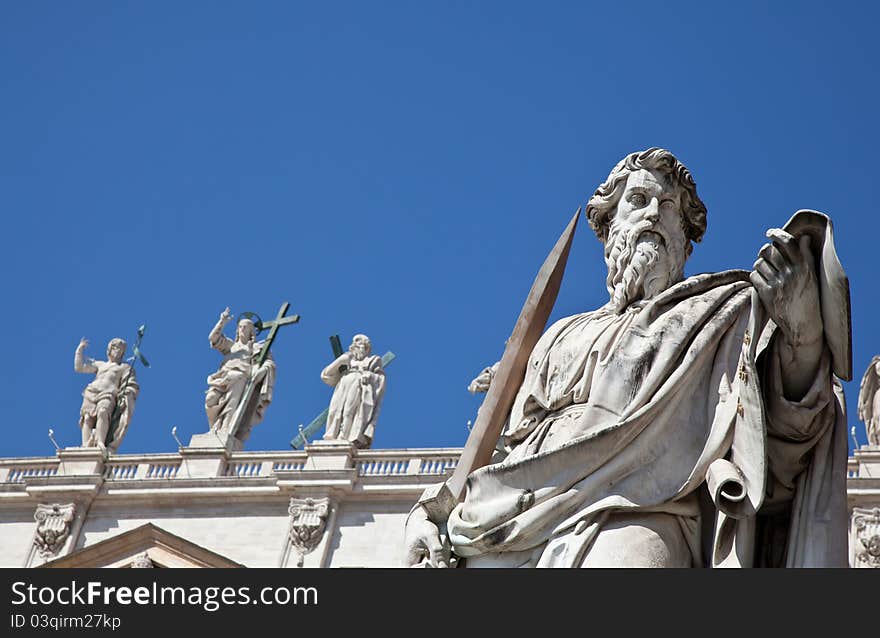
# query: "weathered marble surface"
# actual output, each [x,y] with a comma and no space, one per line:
[639,437]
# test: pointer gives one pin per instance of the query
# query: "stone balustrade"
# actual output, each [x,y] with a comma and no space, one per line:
[242,465]
[368,463]
[438,465]
[382,466]
[142,467]
[19,470]
[163,470]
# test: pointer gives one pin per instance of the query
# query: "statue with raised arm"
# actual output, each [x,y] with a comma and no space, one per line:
[690,421]
[869,401]
[108,401]
[358,381]
[241,389]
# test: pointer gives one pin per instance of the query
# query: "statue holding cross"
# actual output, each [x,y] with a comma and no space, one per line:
[302,438]
[358,380]
[241,389]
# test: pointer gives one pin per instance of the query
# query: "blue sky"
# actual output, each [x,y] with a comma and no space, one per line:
[398,169]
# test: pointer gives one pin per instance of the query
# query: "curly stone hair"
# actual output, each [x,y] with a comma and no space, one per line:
[602,205]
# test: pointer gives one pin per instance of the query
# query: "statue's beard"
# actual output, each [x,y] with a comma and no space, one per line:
[359,354]
[639,267]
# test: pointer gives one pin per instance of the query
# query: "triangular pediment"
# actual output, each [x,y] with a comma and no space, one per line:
[144,546]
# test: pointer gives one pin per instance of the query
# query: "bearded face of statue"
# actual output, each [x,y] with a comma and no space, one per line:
[647,246]
[360,349]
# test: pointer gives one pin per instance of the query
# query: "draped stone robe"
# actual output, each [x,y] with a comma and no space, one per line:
[230,381]
[640,412]
[357,397]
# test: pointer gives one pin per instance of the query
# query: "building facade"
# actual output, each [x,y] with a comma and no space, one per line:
[331,505]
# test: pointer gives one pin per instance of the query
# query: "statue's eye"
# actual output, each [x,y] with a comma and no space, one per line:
[638,200]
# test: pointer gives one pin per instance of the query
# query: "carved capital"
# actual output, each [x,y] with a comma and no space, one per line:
[53,527]
[866,529]
[308,520]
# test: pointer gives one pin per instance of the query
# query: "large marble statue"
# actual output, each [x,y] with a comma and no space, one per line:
[359,385]
[241,389]
[869,401]
[108,401]
[688,422]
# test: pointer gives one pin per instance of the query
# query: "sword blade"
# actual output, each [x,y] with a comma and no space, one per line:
[528,329]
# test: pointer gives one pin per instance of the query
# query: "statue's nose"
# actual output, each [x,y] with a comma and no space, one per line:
[652,211]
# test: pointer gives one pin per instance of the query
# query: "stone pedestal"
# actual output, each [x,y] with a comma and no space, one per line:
[331,455]
[81,461]
[867,462]
[207,454]
[214,440]
[869,457]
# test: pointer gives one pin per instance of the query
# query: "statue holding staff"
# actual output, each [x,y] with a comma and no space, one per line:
[108,401]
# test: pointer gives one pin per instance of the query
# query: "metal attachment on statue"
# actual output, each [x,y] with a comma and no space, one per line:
[137,355]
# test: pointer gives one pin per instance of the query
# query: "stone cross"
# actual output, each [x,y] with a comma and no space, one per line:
[245,407]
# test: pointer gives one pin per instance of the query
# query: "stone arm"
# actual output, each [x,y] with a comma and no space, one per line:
[796,367]
[483,380]
[794,425]
[336,370]
[218,340]
[786,281]
[82,363]
[425,543]
[802,286]
[801,364]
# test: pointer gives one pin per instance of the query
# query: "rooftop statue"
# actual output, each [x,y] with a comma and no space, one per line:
[869,401]
[108,401]
[358,380]
[241,389]
[239,369]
